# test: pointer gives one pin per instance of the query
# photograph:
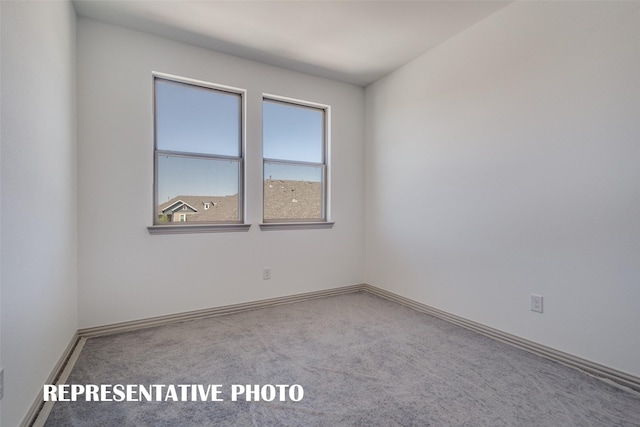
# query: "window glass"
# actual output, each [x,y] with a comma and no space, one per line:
[293,132]
[293,192]
[195,119]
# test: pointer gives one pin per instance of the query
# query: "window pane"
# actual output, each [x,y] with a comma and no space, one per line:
[197,190]
[293,192]
[194,119]
[292,132]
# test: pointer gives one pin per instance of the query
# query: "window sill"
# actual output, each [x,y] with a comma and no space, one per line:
[199,228]
[295,225]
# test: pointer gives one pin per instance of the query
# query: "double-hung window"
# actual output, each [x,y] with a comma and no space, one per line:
[294,161]
[198,153]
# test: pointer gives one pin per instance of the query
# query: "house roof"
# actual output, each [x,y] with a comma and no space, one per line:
[292,199]
[221,208]
[177,205]
[283,199]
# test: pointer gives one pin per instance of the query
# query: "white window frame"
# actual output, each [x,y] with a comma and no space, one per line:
[198,227]
[325,221]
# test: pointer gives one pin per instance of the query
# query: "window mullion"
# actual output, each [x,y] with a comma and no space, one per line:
[292,162]
[196,155]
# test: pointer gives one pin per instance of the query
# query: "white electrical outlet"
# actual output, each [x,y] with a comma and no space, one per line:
[266,274]
[536,303]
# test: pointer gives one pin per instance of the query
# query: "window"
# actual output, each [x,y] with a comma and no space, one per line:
[294,161]
[198,153]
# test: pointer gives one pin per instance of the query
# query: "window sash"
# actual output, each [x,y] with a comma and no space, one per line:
[324,110]
[239,186]
[209,130]
[267,218]
[197,155]
[313,147]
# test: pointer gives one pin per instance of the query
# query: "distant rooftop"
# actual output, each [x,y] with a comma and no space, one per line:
[284,199]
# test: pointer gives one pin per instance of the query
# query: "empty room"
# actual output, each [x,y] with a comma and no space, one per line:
[340,213]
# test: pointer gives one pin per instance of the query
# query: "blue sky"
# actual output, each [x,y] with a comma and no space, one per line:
[193,119]
[291,132]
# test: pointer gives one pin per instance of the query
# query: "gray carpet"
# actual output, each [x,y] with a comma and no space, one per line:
[362,361]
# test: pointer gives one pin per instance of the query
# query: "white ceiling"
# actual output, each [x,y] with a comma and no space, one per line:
[353,41]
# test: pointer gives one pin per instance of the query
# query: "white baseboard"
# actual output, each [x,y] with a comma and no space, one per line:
[211,312]
[54,377]
[595,369]
[38,412]
[46,408]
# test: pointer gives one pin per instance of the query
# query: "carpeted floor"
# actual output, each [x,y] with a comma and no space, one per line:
[361,360]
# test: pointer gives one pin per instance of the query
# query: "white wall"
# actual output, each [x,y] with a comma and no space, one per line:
[127,274]
[507,162]
[1,55]
[39,197]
